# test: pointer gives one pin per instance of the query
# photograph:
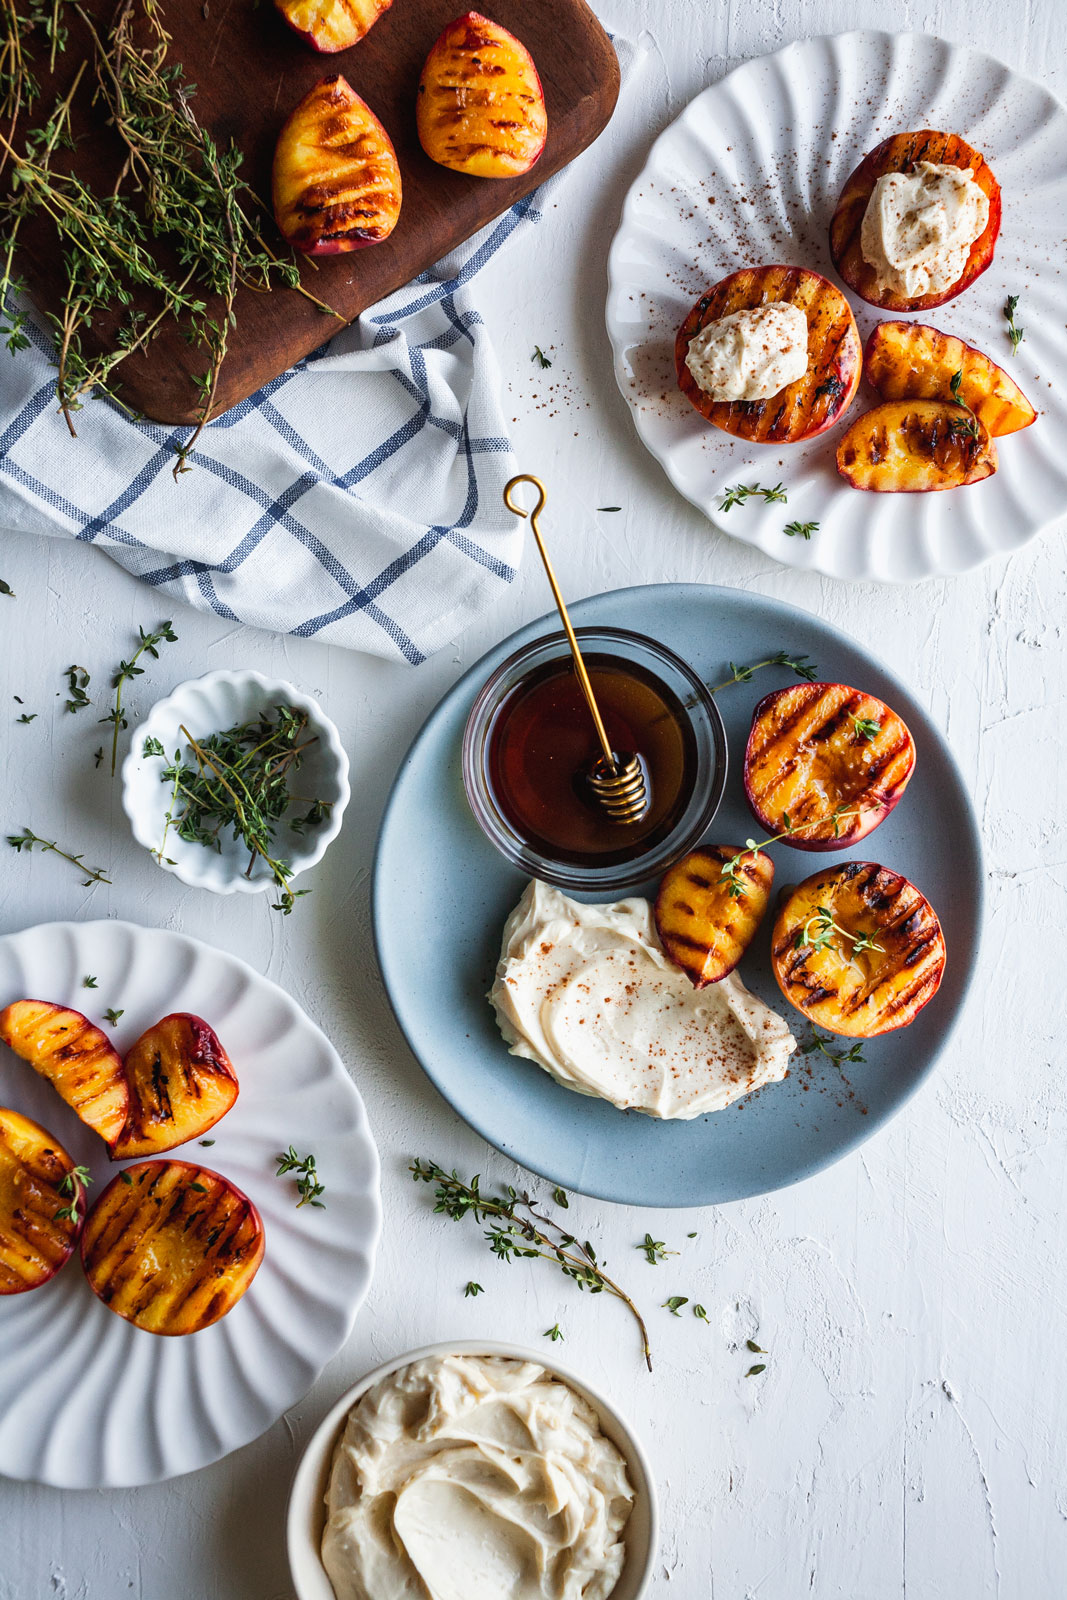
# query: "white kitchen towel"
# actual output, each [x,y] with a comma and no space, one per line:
[356,499]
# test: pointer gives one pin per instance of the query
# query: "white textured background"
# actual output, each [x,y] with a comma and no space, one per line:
[908,1436]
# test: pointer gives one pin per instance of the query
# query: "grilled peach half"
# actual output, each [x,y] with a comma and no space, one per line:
[42,1203]
[171,1246]
[76,1057]
[827,761]
[706,919]
[912,361]
[901,152]
[480,106]
[336,181]
[181,1082]
[331,25]
[858,950]
[916,447]
[835,356]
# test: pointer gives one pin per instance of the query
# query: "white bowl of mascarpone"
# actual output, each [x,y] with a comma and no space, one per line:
[469,1470]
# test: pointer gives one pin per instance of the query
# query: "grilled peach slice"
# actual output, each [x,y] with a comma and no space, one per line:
[331,25]
[181,1082]
[42,1203]
[705,919]
[915,447]
[76,1057]
[480,106]
[171,1246]
[336,180]
[835,356]
[858,950]
[912,361]
[828,761]
[901,152]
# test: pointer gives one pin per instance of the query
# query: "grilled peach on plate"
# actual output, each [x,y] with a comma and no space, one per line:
[336,181]
[905,153]
[858,950]
[76,1057]
[42,1203]
[480,106]
[171,1246]
[813,402]
[331,25]
[916,447]
[181,1082]
[705,916]
[912,361]
[827,761]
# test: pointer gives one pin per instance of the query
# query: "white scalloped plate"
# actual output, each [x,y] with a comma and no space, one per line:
[86,1399]
[749,174]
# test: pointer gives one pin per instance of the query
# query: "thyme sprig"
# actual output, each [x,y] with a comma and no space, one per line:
[736,495]
[731,870]
[801,666]
[838,1057]
[240,779]
[518,1230]
[540,357]
[822,920]
[865,727]
[654,1250]
[967,426]
[28,841]
[1015,333]
[149,645]
[800,530]
[308,1183]
[77,683]
[5,588]
[68,1185]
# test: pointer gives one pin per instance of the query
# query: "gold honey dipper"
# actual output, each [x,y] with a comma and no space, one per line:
[617,780]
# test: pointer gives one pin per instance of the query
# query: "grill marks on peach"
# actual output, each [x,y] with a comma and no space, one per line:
[481,109]
[915,447]
[875,991]
[807,758]
[912,361]
[174,1249]
[900,153]
[181,1083]
[702,926]
[336,179]
[34,1241]
[76,1057]
[816,401]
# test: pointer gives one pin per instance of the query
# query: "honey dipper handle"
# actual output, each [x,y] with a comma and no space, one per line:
[579,664]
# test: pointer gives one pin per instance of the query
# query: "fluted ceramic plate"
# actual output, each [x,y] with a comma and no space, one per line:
[749,174]
[86,1399]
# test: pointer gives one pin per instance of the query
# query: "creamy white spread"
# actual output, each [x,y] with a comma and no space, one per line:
[750,355]
[589,993]
[919,226]
[475,1478]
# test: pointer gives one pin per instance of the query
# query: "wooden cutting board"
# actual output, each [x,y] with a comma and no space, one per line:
[251,70]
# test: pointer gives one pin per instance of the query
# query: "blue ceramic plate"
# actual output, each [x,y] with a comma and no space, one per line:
[441,894]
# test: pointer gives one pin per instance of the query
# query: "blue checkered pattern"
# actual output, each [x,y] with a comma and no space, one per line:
[355,499]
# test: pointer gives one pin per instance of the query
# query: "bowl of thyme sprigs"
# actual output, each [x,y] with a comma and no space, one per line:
[236,783]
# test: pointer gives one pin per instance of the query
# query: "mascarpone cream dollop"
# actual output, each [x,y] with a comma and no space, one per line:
[750,355]
[589,993]
[475,1478]
[919,226]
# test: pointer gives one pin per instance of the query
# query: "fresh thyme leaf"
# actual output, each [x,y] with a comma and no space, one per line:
[70,1213]
[967,425]
[802,666]
[28,841]
[113,1015]
[866,727]
[1015,333]
[98,756]
[75,1176]
[802,530]
[838,1057]
[206,1142]
[5,588]
[125,1177]
[89,982]
[308,1185]
[152,747]
[560,1197]
[555,1333]
[27,716]
[738,493]
[761,1366]
[149,645]
[77,683]
[517,1230]
[473,1289]
[825,927]
[698,1311]
[609,508]
[675,1303]
[201,1188]
[654,1250]
[690,1235]
[239,779]
[540,357]
[757,1350]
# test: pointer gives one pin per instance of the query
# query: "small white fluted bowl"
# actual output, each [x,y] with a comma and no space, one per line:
[211,704]
[306,1516]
